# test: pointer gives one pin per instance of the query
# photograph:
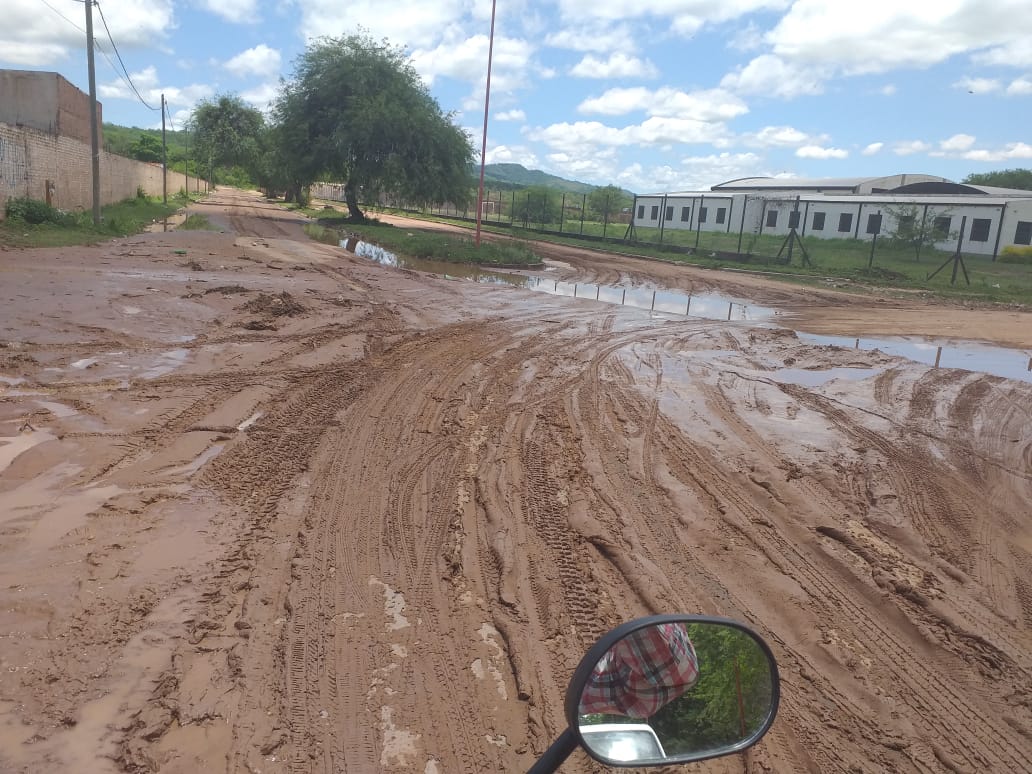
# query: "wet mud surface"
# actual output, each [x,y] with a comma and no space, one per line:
[267,506]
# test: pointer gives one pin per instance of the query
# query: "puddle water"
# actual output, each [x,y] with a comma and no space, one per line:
[11,381]
[12,448]
[971,356]
[57,409]
[807,378]
[192,467]
[712,306]
[167,363]
[249,421]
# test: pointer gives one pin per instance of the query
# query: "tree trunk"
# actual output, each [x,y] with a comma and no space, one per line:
[351,199]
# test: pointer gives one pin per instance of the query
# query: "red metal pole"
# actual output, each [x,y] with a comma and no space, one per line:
[487,105]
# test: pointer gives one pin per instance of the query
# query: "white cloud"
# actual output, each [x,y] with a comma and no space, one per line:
[1020,87]
[583,137]
[888,34]
[772,76]
[709,105]
[33,34]
[888,90]
[685,16]
[978,85]
[260,60]
[518,154]
[237,11]
[261,96]
[1009,152]
[466,60]
[598,38]
[150,88]
[617,66]
[1015,53]
[910,147]
[511,115]
[958,142]
[872,149]
[404,22]
[817,152]
[781,136]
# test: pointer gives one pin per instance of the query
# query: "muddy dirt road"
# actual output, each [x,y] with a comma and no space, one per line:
[266,506]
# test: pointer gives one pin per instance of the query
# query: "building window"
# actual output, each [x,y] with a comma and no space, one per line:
[655,212]
[845,222]
[772,218]
[703,211]
[1023,233]
[905,224]
[793,219]
[941,227]
[818,221]
[980,229]
[669,213]
[686,214]
[874,223]
[641,211]
[721,214]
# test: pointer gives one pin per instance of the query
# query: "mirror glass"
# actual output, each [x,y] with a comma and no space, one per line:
[677,691]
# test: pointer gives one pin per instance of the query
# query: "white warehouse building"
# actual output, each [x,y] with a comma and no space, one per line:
[849,208]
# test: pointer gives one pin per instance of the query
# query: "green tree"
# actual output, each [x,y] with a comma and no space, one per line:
[1003,178]
[919,227]
[357,111]
[538,205]
[607,201]
[228,133]
[146,148]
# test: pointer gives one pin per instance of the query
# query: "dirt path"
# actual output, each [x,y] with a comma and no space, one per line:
[265,506]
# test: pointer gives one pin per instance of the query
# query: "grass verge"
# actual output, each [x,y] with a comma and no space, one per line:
[61,229]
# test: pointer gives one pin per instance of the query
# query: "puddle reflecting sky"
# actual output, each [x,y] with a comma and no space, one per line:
[971,356]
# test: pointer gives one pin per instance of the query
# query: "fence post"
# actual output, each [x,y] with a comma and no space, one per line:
[874,241]
[698,221]
[512,210]
[605,224]
[544,209]
[562,213]
[583,206]
[741,226]
[662,218]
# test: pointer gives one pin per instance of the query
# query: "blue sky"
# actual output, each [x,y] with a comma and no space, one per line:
[652,95]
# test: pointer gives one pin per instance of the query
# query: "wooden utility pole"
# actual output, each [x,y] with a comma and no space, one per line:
[94,132]
[487,104]
[164,155]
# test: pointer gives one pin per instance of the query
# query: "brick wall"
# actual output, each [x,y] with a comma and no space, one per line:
[31,157]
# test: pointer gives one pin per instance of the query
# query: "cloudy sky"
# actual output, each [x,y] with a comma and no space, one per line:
[652,95]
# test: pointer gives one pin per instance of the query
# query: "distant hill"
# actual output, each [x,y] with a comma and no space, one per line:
[509,176]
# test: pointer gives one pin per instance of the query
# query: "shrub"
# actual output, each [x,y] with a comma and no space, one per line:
[31,211]
[1016,254]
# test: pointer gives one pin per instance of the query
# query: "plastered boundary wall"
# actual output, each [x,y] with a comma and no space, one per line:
[31,157]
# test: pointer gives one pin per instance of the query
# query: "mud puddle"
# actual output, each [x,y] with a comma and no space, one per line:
[713,306]
[969,356]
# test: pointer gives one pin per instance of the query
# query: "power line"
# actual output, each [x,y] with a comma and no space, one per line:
[48,5]
[128,78]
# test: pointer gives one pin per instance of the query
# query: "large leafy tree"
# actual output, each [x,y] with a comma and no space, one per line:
[607,201]
[229,133]
[1003,178]
[357,111]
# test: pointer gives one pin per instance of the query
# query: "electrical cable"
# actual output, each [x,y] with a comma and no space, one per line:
[128,78]
[48,5]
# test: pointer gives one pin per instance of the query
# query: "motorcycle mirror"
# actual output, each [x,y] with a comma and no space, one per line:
[669,689]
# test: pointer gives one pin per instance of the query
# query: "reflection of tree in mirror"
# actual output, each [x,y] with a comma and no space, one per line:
[731,699]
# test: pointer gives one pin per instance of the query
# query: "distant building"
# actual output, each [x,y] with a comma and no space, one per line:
[849,208]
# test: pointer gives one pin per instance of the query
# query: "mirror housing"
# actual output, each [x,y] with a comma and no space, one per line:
[673,689]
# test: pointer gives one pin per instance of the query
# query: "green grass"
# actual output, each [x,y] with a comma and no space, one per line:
[425,245]
[130,216]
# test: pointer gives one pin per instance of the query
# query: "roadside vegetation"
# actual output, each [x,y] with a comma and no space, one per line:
[424,245]
[33,223]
